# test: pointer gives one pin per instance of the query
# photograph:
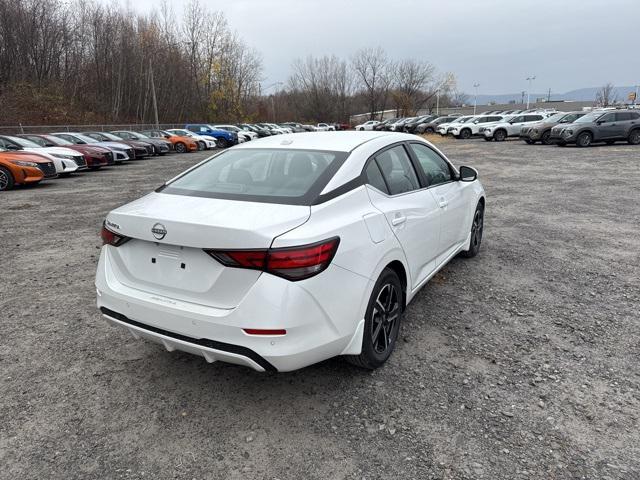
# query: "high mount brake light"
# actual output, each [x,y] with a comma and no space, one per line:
[292,263]
[112,238]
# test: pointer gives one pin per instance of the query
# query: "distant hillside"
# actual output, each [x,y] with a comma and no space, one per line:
[579,95]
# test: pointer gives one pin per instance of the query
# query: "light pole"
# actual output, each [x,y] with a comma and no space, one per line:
[530,80]
[475,101]
[153,96]
[438,101]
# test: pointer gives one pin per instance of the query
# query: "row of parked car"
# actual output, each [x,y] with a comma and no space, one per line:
[29,158]
[546,126]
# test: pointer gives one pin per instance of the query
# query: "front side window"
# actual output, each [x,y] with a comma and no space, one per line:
[436,170]
[397,170]
[609,117]
[270,175]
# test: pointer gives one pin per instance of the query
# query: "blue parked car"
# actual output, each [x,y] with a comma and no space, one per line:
[223,138]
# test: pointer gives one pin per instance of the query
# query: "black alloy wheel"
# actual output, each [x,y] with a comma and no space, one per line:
[500,135]
[465,134]
[477,228]
[6,179]
[382,322]
[584,139]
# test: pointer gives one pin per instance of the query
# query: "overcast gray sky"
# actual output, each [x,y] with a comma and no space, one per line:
[567,44]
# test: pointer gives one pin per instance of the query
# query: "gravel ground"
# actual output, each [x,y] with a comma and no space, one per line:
[521,363]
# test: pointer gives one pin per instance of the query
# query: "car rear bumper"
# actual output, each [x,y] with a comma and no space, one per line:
[315,330]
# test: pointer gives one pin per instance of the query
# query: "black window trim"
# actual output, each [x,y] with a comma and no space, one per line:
[415,163]
[372,158]
[453,170]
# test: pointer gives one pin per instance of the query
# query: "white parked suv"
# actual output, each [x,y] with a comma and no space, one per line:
[472,127]
[367,125]
[510,128]
[325,127]
[290,251]
[444,127]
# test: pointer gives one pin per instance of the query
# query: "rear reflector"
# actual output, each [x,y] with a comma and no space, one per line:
[292,263]
[256,331]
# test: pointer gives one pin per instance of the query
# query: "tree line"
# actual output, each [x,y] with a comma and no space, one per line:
[81,61]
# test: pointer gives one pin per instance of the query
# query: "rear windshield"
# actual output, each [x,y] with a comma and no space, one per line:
[286,176]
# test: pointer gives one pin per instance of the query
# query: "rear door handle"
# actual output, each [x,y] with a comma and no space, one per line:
[398,220]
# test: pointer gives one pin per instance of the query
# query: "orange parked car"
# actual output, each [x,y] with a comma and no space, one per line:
[22,168]
[180,144]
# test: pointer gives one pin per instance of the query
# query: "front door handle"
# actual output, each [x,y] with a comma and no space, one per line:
[442,203]
[398,220]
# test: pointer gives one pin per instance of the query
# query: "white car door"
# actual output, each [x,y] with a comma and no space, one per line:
[452,197]
[410,209]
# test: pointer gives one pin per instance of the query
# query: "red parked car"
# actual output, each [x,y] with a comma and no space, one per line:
[96,156]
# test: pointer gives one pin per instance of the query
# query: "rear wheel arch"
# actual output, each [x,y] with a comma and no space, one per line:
[399,269]
[634,136]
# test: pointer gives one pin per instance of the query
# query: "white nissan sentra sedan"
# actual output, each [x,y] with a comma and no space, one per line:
[285,251]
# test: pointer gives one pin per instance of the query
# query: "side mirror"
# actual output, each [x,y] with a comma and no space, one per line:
[468,174]
[167,136]
[599,122]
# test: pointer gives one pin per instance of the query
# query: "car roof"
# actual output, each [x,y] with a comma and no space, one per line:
[344,141]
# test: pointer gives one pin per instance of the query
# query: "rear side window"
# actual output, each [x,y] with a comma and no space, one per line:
[436,170]
[262,175]
[374,177]
[397,170]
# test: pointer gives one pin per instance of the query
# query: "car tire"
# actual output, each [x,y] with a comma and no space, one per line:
[477,228]
[222,143]
[584,139]
[382,322]
[634,137]
[6,179]
[181,147]
[500,135]
[546,138]
[201,146]
[429,131]
[465,134]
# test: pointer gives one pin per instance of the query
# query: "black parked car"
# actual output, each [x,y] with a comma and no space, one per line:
[432,125]
[601,126]
[410,127]
[383,125]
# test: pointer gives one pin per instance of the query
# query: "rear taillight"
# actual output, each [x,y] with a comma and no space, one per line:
[111,238]
[292,263]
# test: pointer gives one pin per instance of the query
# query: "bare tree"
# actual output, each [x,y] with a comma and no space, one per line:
[412,79]
[606,96]
[320,87]
[373,70]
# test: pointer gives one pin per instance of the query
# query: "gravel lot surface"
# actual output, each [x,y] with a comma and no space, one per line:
[521,363]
